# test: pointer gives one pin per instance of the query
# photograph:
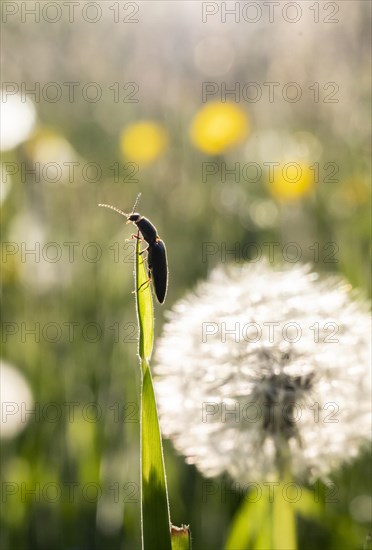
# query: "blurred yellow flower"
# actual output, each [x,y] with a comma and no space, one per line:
[143,142]
[290,181]
[218,126]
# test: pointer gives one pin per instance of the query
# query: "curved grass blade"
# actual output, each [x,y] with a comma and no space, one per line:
[155,509]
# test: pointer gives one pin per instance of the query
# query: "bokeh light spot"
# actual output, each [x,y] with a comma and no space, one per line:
[143,142]
[17,120]
[291,181]
[217,127]
[16,398]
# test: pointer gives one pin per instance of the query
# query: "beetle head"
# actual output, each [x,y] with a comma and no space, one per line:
[135,217]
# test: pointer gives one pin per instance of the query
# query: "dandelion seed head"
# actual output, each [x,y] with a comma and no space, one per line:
[290,370]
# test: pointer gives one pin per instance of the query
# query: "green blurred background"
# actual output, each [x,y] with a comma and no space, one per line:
[118,109]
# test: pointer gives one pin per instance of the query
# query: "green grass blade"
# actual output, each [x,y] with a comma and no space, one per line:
[308,506]
[247,524]
[283,522]
[266,523]
[155,509]
[181,538]
[145,309]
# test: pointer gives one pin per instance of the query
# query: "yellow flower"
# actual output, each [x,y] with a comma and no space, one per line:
[290,181]
[218,126]
[143,142]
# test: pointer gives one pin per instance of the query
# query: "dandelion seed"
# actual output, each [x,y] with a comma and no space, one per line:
[238,390]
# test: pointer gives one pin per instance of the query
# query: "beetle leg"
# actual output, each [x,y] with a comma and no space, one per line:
[143,284]
[135,237]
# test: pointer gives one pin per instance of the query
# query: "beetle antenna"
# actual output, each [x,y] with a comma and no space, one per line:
[137,201]
[114,208]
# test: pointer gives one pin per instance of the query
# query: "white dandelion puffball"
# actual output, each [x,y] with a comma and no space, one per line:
[261,365]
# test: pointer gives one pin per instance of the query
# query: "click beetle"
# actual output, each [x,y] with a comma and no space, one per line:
[156,251]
